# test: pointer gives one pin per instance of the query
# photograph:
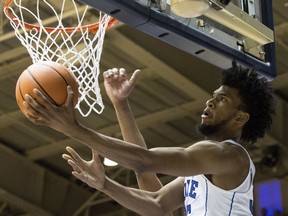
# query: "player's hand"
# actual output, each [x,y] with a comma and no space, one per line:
[90,172]
[117,84]
[45,113]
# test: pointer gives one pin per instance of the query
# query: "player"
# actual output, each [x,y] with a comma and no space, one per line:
[215,176]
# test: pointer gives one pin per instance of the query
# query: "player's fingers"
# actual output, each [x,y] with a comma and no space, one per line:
[66,157]
[74,166]
[115,71]
[122,72]
[108,73]
[70,96]
[94,154]
[43,101]
[78,176]
[105,74]
[29,107]
[71,162]
[34,119]
[31,103]
[74,155]
[135,76]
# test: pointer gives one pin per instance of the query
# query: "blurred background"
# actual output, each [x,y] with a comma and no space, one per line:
[167,102]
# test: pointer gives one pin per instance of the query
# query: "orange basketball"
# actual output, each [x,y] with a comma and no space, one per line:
[50,78]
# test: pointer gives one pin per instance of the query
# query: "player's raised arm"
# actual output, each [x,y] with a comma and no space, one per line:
[118,88]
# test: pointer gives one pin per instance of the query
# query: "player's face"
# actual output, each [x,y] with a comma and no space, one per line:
[220,110]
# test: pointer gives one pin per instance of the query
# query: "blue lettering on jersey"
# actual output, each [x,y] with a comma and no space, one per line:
[192,193]
[189,188]
[188,209]
[251,206]
[189,191]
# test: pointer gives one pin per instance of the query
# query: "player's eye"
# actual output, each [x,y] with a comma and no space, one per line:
[223,98]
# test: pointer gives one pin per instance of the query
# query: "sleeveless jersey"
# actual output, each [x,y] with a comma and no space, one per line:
[202,198]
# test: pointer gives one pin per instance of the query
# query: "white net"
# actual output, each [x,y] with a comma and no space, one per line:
[77,48]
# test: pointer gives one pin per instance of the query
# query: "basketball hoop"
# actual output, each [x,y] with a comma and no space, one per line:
[78,48]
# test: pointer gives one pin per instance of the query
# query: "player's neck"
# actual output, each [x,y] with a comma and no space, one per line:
[225,134]
[221,137]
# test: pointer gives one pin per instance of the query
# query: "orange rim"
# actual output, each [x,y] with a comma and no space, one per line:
[93,28]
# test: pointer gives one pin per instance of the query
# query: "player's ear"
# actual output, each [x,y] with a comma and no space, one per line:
[242,117]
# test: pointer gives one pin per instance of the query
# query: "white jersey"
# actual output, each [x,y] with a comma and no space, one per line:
[202,198]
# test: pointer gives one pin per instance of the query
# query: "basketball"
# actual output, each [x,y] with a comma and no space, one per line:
[50,78]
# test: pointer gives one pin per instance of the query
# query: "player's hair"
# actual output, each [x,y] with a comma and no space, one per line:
[257,98]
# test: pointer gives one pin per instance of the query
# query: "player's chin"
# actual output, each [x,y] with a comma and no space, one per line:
[206,121]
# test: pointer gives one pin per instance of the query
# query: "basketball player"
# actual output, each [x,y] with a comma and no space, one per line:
[215,175]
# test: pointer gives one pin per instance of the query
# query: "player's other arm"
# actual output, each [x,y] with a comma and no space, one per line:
[118,88]
[161,202]
[131,133]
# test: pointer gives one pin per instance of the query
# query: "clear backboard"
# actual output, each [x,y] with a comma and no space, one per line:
[240,30]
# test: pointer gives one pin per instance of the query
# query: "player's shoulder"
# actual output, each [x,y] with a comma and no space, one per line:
[228,154]
[226,147]
[212,143]
[224,143]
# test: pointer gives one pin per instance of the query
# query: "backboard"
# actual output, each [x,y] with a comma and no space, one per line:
[238,30]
